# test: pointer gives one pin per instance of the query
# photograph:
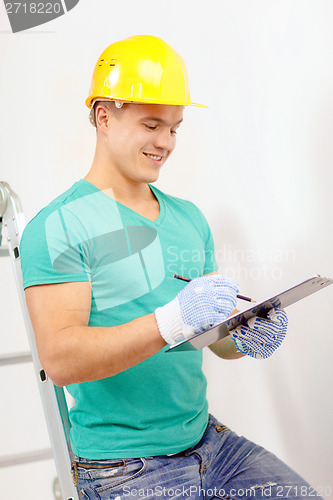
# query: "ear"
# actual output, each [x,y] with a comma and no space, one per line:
[102,117]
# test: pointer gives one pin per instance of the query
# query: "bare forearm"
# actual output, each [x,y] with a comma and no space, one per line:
[85,353]
[226,349]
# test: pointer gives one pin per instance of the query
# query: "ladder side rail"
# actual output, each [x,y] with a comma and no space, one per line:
[52,397]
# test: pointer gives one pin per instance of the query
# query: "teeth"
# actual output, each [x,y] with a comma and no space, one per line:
[154,157]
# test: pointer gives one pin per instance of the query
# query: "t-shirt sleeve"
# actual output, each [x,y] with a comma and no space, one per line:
[53,249]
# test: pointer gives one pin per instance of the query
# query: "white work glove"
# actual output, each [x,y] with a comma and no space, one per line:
[201,304]
[262,336]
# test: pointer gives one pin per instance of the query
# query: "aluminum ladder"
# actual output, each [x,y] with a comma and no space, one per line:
[53,398]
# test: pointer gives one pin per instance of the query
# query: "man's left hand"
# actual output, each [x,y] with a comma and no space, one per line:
[262,336]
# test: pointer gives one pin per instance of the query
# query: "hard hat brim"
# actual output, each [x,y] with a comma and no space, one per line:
[92,99]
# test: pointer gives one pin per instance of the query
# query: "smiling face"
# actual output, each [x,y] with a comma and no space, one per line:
[138,139]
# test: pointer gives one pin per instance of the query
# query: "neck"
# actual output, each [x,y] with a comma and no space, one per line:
[136,196]
[104,176]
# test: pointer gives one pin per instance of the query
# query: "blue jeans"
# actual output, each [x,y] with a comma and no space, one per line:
[222,465]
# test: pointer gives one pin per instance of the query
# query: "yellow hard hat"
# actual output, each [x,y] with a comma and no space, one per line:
[141,69]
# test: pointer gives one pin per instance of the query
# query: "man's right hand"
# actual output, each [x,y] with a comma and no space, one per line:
[203,303]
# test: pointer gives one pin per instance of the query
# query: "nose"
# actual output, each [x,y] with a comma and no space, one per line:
[165,140]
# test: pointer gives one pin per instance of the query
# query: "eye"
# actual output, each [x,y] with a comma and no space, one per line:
[173,132]
[150,127]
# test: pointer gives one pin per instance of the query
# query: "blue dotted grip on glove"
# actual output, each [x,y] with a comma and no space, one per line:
[262,336]
[207,301]
[201,304]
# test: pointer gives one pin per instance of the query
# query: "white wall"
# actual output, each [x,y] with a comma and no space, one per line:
[258,162]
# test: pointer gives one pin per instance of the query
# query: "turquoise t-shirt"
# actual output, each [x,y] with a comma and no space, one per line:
[158,406]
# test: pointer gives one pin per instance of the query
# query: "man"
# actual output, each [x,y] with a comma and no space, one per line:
[98,266]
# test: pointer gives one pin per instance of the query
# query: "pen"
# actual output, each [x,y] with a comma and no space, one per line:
[243,297]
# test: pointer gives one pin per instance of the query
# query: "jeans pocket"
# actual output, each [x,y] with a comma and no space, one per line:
[83,495]
[104,483]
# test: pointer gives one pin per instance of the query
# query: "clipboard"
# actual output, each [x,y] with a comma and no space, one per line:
[282,299]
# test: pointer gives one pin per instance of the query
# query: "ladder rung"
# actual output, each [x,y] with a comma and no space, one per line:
[4,252]
[13,359]
[25,458]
